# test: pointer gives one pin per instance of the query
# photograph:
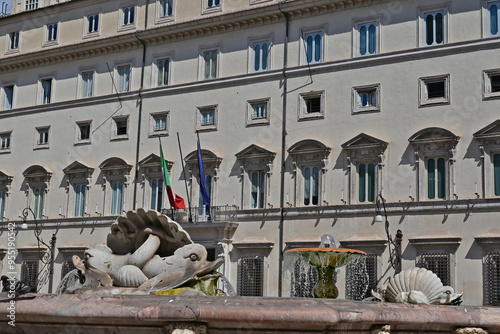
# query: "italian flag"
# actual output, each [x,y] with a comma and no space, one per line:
[176,202]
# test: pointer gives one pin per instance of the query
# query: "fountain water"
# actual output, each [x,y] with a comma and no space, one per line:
[326,258]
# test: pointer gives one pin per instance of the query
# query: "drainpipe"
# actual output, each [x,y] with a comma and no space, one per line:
[139,122]
[283,149]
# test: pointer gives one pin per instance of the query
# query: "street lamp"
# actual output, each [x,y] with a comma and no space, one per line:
[395,256]
[48,258]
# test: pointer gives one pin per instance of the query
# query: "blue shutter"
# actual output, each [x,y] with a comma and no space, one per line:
[429,29]
[439,28]
[362,40]
[431,168]
[264,56]
[493,20]
[307,186]
[496,172]
[362,182]
[317,48]
[441,182]
[371,182]
[372,38]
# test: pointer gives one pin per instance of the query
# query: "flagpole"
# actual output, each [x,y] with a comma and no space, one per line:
[185,179]
[203,189]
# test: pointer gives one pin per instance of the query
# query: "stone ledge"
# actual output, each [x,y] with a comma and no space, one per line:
[42,313]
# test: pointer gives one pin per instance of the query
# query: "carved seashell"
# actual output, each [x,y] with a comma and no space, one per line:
[420,286]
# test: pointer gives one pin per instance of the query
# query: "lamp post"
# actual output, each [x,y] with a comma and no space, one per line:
[48,258]
[395,256]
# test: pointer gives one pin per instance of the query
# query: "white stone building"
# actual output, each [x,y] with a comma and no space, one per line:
[306,111]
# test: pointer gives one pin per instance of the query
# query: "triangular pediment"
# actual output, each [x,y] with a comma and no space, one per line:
[364,141]
[5,177]
[254,152]
[492,130]
[433,135]
[309,146]
[153,160]
[114,164]
[77,167]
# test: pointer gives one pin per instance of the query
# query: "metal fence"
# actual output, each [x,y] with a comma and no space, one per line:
[223,213]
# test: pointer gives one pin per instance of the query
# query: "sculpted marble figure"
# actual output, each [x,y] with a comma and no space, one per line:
[146,253]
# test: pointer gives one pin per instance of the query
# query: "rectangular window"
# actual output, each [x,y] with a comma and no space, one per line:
[311,105]
[260,56]
[116,198]
[210,64]
[213,3]
[29,272]
[434,90]
[156,194]
[79,200]
[14,40]
[31,4]
[491,84]
[67,265]
[162,66]
[491,274]
[259,110]
[123,78]
[46,90]
[51,32]
[121,125]
[206,118]
[128,15]
[496,172]
[166,8]
[9,97]
[367,38]
[436,178]
[92,23]
[311,186]
[43,136]
[438,263]
[434,28]
[366,98]
[5,141]
[251,276]
[83,131]
[313,47]
[87,83]
[493,18]
[38,194]
[160,123]
[2,205]
[257,196]
[366,174]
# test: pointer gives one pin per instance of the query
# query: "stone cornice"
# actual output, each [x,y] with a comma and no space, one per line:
[257,15]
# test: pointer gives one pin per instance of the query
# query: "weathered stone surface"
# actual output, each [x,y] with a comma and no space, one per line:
[157,314]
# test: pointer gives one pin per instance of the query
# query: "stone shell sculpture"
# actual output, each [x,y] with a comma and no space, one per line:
[418,286]
[146,252]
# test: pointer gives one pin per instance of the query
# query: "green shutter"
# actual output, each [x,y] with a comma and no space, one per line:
[441,183]
[431,191]
[362,182]
[496,164]
[371,182]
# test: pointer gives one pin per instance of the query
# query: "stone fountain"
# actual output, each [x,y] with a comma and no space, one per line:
[151,277]
[326,258]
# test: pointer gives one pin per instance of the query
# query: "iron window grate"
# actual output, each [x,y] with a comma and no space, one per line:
[303,279]
[438,263]
[29,272]
[361,277]
[251,276]
[67,266]
[491,274]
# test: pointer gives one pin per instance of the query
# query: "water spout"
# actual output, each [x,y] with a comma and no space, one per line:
[327,241]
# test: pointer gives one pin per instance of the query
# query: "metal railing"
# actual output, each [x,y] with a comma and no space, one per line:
[223,213]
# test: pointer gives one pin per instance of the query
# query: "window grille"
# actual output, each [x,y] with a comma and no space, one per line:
[31,4]
[14,40]
[313,104]
[29,272]
[491,277]
[67,266]
[438,263]
[304,279]
[251,276]
[361,277]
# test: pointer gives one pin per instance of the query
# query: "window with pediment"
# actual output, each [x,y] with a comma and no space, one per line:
[365,162]
[489,147]
[36,187]
[5,187]
[211,163]
[115,178]
[309,159]
[435,150]
[78,181]
[154,194]
[256,165]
